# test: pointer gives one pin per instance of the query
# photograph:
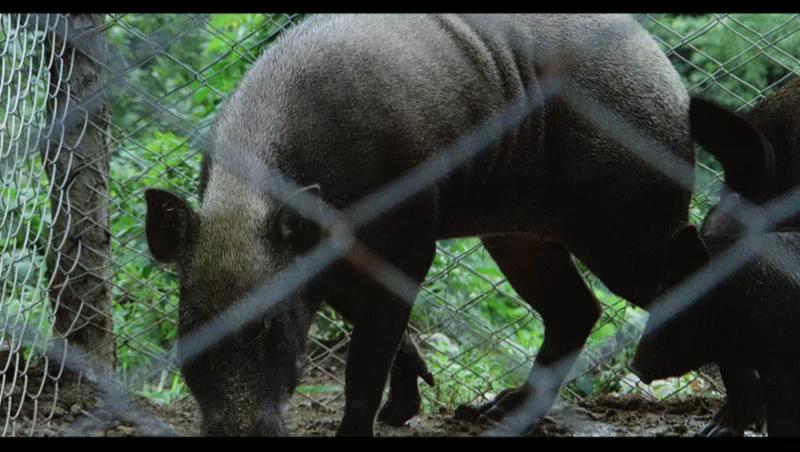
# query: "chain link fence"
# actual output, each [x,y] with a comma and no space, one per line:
[98,108]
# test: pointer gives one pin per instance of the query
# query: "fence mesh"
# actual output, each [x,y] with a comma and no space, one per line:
[167,76]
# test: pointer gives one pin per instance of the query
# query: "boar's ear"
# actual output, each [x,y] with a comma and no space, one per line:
[292,225]
[687,253]
[745,154]
[169,224]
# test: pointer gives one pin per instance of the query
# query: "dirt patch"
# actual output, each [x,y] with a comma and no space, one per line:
[80,410]
[612,415]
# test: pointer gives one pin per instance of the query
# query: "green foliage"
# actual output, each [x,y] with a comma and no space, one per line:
[741,54]
[169,388]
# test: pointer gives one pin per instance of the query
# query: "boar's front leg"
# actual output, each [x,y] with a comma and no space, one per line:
[783,399]
[542,273]
[404,398]
[380,319]
[744,405]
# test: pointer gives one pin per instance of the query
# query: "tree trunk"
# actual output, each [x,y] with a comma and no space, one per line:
[76,159]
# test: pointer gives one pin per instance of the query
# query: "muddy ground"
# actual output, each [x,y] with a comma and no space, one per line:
[80,412]
[623,415]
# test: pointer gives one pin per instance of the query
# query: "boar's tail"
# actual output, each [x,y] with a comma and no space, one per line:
[745,153]
[422,370]
[427,377]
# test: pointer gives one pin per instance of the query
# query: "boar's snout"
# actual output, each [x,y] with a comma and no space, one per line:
[262,423]
[273,426]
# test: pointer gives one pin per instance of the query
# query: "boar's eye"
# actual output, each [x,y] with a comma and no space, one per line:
[271,320]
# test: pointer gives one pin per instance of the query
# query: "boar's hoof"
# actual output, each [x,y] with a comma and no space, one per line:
[398,410]
[404,399]
[473,413]
[733,419]
[717,430]
[467,413]
[494,410]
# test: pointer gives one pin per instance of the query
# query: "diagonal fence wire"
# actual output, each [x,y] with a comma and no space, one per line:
[230,321]
[387,275]
[364,212]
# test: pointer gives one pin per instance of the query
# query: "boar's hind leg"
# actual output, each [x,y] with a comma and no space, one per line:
[543,274]
[744,405]
[783,399]
[404,398]
[379,322]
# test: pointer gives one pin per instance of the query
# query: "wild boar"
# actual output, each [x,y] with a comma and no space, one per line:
[346,105]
